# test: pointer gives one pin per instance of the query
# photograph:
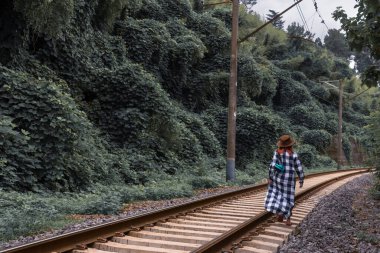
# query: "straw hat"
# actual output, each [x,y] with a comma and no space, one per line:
[285,141]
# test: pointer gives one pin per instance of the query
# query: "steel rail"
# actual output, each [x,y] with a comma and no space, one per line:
[225,241]
[67,242]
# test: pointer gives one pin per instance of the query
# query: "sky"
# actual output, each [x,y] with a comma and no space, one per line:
[325,7]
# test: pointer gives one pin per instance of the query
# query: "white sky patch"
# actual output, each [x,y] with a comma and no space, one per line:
[325,7]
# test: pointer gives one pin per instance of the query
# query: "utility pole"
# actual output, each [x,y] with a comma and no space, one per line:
[340,122]
[231,131]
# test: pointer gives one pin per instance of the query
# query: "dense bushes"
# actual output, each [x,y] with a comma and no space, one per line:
[50,17]
[307,115]
[307,154]
[320,139]
[290,93]
[256,135]
[139,88]
[57,144]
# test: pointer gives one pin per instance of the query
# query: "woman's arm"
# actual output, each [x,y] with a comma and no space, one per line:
[271,168]
[298,168]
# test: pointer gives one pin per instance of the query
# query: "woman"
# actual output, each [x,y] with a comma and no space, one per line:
[281,182]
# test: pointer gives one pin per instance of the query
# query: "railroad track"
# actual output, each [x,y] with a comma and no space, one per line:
[231,222]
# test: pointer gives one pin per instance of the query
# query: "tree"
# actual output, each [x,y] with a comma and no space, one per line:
[363,60]
[363,32]
[248,4]
[336,42]
[318,42]
[278,23]
[296,30]
[297,33]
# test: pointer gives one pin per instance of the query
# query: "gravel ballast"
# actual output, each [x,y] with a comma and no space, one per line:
[347,220]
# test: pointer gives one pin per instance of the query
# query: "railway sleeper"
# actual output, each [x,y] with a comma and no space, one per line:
[209,219]
[130,240]
[218,216]
[193,227]
[171,237]
[219,223]
[125,248]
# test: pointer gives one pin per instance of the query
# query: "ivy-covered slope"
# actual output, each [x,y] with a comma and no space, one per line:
[119,91]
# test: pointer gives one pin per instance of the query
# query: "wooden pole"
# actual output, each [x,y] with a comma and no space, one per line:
[340,123]
[231,131]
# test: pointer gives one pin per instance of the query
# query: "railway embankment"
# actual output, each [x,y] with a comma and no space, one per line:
[347,220]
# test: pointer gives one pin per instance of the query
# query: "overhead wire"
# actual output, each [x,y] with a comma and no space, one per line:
[319,14]
[303,19]
[322,98]
[312,22]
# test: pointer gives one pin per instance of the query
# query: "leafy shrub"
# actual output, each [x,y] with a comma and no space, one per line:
[307,115]
[307,154]
[255,171]
[297,129]
[61,148]
[276,52]
[331,125]
[15,153]
[317,64]
[207,139]
[268,91]
[101,203]
[212,31]
[361,107]
[341,69]
[157,41]
[205,182]
[346,145]
[354,118]
[249,78]
[27,214]
[108,11]
[50,17]
[321,93]
[352,130]
[256,133]
[325,162]
[290,93]
[320,139]
[299,76]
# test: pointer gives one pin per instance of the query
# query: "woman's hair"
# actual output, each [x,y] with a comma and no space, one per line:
[281,150]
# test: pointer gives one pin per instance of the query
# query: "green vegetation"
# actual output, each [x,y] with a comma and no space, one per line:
[108,102]
[362,35]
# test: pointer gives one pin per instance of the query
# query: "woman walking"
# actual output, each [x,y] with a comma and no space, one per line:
[281,183]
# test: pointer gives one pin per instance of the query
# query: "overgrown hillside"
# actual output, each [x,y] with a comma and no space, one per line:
[128,91]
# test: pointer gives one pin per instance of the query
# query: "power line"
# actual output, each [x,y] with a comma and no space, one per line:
[321,98]
[319,14]
[303,18]
[312,22]
[357,95]
[268,22]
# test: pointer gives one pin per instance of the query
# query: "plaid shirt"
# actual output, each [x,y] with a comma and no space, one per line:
[280,195]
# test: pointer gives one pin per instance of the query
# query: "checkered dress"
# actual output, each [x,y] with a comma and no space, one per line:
[280,195]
